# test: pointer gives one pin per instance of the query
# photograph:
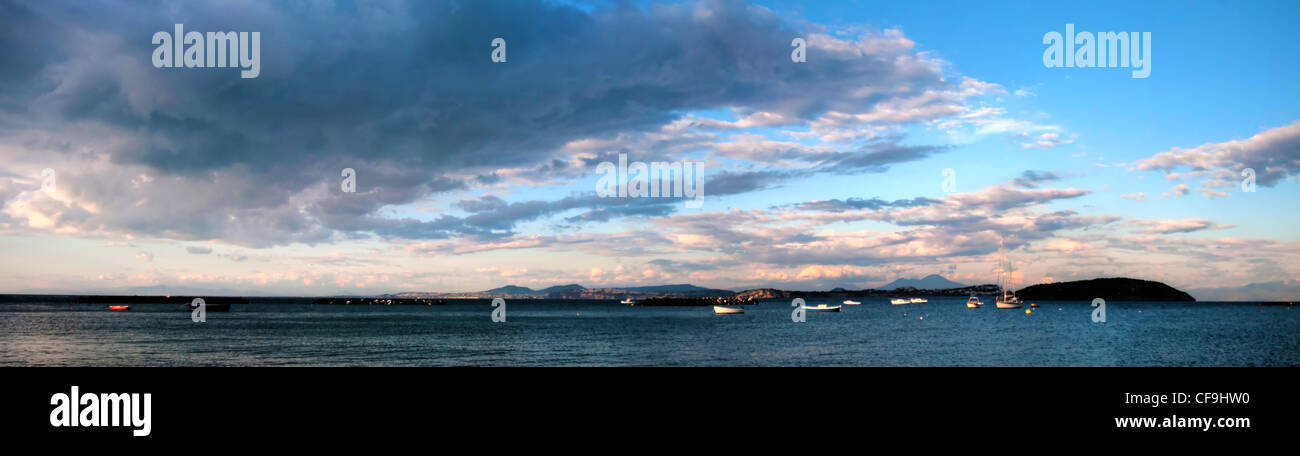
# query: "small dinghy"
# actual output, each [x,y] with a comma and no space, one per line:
[119,307]
[724,310]
[822,308]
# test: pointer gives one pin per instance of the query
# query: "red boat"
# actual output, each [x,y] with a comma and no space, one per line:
[1035,305]
[119,307]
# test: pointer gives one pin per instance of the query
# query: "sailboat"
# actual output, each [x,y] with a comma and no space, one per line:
[1008,299]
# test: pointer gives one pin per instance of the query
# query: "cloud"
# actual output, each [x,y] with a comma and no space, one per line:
[1211,193]
[1045,140]
[201,250]
[837,205]
[731,183]
[1273,154]
[1186,225]
[1177,190]
[1002,197]
[1032,178]
[493,216]
[1065,246]
[1138,197]
[405,94]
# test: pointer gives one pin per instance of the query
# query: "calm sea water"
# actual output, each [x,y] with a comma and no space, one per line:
[942,332]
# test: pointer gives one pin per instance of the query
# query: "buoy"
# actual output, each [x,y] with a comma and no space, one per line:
[1027,311]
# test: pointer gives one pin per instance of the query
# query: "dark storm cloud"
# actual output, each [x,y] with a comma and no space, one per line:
[402,92]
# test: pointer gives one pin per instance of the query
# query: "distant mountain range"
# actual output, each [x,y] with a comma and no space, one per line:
[930,282]
[1116,289]
[1267,291]
[575,291]
[518,290]
[933,285]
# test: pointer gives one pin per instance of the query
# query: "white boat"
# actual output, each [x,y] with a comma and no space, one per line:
[973,302]
[850,302]
[724,310]
[918,300]
[899,301]
[628,301]
[822,308]
[1006,281]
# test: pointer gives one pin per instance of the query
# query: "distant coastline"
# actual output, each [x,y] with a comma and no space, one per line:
[1110,289]
[1116,289]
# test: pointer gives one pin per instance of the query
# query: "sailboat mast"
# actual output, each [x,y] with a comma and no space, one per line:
[1002,268]
[1011,279]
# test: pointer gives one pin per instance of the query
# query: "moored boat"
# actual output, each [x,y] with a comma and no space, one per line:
[119,307]
[851,302]
[1006,281]
[918,300]
[1010,303]
[628,301]
[899,301]
[724,310]
[822,308]
[973,303]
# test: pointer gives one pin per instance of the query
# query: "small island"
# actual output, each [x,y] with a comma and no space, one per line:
[1110,289]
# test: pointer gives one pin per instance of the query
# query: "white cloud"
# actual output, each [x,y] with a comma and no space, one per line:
[1273,154]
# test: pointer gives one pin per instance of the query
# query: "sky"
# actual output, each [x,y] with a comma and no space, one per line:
[914,138]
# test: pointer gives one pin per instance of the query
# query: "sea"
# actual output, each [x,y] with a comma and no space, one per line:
[942,332]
